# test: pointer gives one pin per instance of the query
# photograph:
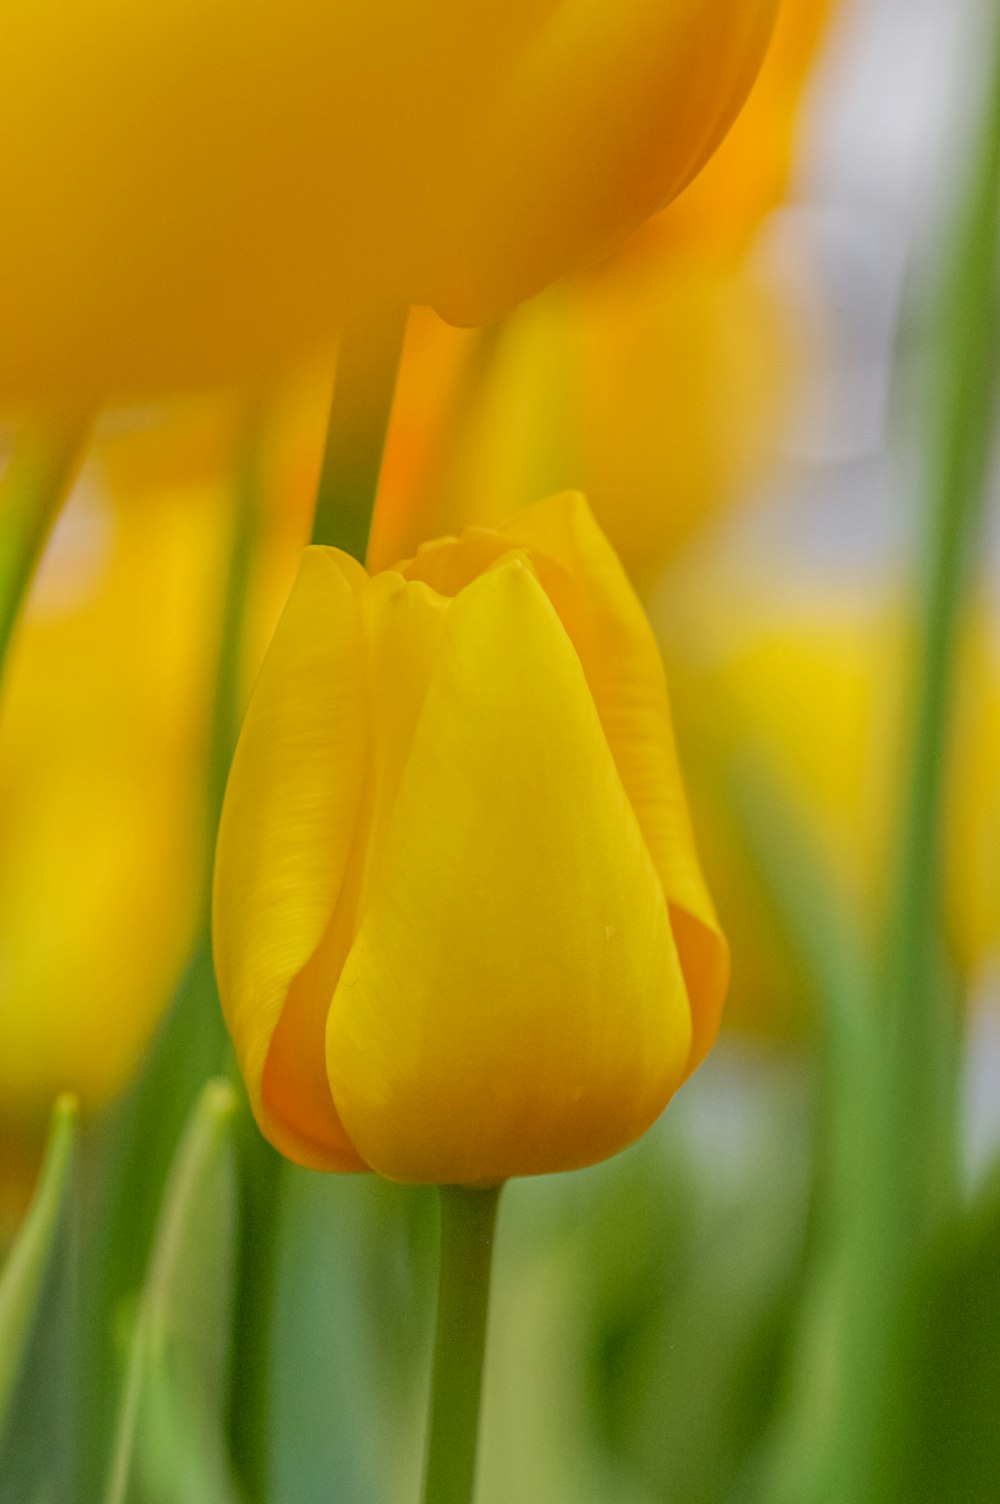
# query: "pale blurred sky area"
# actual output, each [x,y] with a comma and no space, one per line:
[883,144]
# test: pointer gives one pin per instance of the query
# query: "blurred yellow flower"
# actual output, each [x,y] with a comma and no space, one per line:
[804,678]
[657,384]
[658,390]
[196,190]
[100,788]
[460,928]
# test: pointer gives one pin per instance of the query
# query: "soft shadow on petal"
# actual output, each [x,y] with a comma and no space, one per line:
[513,1003]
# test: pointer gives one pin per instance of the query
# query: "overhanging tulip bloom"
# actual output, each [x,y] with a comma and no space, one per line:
[193,190]
[461,932]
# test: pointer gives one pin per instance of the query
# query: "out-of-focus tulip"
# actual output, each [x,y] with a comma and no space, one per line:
[195,191]
[100,792]
[802,679]
[660,391]
[657,384]
[460,928]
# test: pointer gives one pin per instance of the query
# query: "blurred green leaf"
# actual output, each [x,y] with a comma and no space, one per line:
[942,1439]
[170,1445]
[351,1340]
[692,1277]
[822,1440]
[923,1080]
[130,1154]
[37,1319]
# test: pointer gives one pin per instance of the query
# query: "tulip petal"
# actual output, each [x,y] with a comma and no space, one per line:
[586,583]
[643,93]
[513,1002]
[286,834]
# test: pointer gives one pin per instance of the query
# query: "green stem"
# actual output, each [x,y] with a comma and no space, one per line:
[38,476]
[365,381]
[227,707]
[922,1018]
[468,1219]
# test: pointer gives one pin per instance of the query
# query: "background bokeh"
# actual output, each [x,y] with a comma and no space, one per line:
[742,394]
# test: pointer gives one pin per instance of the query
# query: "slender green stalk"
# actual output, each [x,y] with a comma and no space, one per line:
[468,1219]
[364,385]
[922,1018]
[227,708]
[34,485]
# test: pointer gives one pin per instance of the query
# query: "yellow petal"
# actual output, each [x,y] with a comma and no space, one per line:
[513,1003]
[197,190]
[587,585]
[286,834]
[404,624]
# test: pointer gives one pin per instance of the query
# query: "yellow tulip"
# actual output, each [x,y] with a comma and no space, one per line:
[194,190]
[461,932]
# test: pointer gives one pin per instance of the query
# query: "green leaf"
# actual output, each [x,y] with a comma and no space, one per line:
[37,1323]
[170,1446]
[823,1443]
[941,1436]
[131,1150]
[342,1415]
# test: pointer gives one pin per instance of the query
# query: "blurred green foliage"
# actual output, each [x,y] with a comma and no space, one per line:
[171,1443]
[38,1354]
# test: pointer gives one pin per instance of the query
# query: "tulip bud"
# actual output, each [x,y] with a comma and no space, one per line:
[193,191]
[461,932]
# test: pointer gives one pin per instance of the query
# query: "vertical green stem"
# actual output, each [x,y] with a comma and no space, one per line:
[364,385]
[468,1219]
[227,708]
[38,476]
[922,1018]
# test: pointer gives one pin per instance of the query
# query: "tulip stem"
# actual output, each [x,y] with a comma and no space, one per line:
[249,504]
[364,385]
[468,1219]
[38,475]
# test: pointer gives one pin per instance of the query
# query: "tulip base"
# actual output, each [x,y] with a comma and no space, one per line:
[468,1220]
